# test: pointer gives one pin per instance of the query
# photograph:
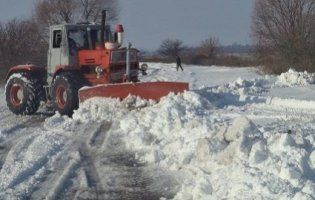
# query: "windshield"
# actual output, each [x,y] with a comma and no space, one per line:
[120,56]
[80,38]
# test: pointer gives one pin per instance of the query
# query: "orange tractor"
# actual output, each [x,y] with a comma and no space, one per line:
[84,61]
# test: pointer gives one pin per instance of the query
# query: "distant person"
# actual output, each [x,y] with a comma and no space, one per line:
[178,63]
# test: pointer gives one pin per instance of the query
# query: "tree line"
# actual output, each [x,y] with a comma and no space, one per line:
[208,52]
[284,34]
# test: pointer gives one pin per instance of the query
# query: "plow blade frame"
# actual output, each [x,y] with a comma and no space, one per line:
[149,90]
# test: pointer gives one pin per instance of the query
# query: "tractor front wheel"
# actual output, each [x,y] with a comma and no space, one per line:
[23,93]
[64,92]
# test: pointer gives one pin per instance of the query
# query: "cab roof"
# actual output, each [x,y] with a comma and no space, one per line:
[78,26]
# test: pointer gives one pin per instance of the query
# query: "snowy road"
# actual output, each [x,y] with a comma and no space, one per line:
[39,160]
[232,137]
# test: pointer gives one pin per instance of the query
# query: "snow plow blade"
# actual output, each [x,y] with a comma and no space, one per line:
[149,90]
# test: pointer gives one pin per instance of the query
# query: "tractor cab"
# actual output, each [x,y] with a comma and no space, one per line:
[94,51]
[66,41]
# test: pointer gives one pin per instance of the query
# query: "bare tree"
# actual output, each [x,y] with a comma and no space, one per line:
[93,8]
[209,48]
[20,43]
[284,31]
[171,48]
[50,12]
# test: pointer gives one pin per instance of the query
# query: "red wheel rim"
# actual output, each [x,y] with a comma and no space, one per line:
[61,96]
[16,94]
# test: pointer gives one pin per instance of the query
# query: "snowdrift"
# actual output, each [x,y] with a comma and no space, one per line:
[226,139]
[220,158]
[294,78]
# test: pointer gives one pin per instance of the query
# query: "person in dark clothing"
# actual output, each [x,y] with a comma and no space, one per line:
[178,63]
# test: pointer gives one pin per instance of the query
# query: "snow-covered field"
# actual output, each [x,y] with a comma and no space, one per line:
[235,135]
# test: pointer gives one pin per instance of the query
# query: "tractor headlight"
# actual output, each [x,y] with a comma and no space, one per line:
[144,67]
[99,70]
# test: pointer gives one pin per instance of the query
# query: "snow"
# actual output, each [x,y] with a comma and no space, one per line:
[178,134]
[2,96]
[198,76]
[231,137]
[294,78]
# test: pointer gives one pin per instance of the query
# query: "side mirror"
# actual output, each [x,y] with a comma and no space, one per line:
[144,67]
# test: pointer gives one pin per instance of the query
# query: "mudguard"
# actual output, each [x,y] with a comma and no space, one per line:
[25,68]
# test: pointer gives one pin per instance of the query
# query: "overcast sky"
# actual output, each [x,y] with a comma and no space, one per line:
[147,22]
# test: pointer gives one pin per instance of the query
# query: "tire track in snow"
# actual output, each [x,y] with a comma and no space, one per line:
[28,170]
[90,170]
[81,167]
[7,146]
[19,148]
[62,180]
[106,170]
[24,123]
[123,175]
[88,151]
[4,150]
[14,132]
[125,178]
[98,137]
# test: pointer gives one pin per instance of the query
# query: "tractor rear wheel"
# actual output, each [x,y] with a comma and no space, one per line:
[23,93]
[64,92]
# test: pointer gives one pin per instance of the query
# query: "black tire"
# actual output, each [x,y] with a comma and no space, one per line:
[64,92]
[24,93]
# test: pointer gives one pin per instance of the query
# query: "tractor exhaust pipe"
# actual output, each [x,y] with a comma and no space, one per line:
[103,28]
[128,74]
[89,38]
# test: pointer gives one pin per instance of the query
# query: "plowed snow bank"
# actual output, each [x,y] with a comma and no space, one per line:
[204,137]
[182,133]
[294,78]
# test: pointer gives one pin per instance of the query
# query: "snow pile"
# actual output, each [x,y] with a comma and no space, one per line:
[294,78]
[109,110]
[162,133]
[237,92]
[245,87]
[242,162]
[154,129]
[181,133]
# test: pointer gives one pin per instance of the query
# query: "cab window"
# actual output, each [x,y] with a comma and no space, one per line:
[57,37]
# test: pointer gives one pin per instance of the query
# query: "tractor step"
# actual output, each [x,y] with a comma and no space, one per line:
[148,90]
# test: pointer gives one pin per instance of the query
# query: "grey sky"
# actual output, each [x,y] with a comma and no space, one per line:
[147,22]
[15,8]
